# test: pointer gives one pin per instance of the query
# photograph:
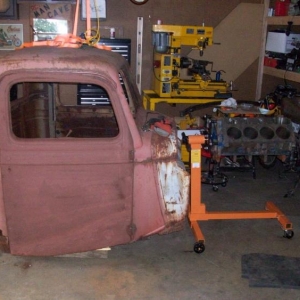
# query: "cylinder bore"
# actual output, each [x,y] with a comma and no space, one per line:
[250,133]
[234,133]
[283,133]
[267,133]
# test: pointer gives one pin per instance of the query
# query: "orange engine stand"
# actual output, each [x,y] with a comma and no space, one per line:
[197,210]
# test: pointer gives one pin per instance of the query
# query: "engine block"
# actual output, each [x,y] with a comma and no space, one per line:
[249,136]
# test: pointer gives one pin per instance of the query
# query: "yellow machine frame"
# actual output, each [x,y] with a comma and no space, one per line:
[169,84]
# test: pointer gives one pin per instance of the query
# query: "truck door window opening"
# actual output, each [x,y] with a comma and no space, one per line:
[51,110]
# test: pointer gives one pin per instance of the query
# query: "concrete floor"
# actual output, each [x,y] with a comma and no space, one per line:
[166,267]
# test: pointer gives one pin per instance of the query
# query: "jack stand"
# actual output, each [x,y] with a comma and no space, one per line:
[197,210]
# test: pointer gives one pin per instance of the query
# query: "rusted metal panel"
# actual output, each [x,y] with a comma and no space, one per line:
[173,180]
[147,207]
[174,183]
[53,210]
[72,194]
[66,195]
[87,59]
[86,125]
[164,147]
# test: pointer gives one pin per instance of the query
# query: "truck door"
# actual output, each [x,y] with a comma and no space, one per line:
[67,166]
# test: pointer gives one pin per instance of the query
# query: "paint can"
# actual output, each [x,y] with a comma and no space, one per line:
[112,33]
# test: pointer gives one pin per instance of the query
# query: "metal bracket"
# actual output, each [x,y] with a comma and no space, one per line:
[139,51]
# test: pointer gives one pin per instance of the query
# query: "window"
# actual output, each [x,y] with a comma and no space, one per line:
[50,20]
[48,29]
[51,110]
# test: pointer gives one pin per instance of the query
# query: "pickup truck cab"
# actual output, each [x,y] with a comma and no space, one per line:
[79,171]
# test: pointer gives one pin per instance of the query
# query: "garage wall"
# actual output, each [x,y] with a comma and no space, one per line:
[123,15]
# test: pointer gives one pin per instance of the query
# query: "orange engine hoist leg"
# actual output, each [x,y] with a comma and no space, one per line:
[197,209]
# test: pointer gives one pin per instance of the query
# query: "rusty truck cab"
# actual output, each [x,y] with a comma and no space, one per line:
[73,173]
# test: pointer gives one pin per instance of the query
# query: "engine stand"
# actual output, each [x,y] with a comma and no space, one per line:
[197,209]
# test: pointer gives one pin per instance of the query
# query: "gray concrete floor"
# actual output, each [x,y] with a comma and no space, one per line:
[165,266]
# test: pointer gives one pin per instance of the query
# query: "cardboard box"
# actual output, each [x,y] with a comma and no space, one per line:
[279,42]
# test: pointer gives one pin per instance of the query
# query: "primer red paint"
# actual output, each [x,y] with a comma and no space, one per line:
[77,178]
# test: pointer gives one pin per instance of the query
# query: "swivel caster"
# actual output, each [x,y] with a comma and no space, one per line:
[215,188]
[224,184]
[288,234]
[199,247]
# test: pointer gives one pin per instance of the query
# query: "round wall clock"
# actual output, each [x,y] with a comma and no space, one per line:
[139,2]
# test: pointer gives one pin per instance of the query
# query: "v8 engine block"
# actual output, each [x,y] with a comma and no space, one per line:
[248,136]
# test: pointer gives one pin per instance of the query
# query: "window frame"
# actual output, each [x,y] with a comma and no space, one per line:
[86,78]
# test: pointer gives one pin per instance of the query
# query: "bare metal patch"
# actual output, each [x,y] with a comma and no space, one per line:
[174,184]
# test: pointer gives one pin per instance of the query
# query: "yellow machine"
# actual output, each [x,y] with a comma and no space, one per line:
[169,67]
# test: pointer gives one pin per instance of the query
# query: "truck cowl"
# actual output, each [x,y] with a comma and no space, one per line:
[173,180]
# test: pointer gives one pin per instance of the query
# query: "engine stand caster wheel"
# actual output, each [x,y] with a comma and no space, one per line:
[288,234]
[224,184]
[199,247]
[215,188]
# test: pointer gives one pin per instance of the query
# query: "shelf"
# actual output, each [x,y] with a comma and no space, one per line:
[288,75]
[283,20]
[263,70]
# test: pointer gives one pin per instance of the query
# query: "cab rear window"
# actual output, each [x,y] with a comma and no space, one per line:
[61,110]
